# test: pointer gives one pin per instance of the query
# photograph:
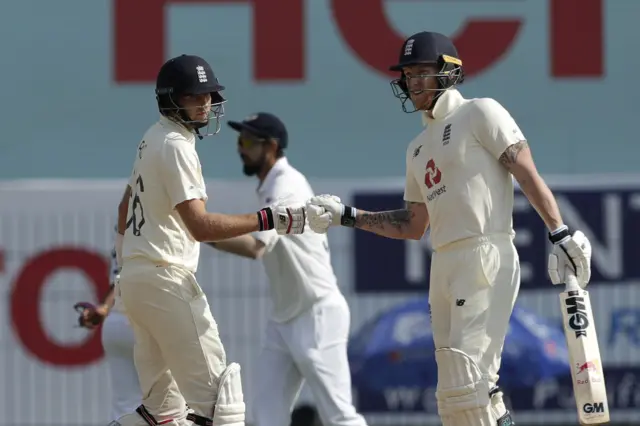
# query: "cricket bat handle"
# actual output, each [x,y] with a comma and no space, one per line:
[570,280]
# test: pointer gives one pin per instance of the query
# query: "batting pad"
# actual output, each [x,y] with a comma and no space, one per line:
[137,420]
[462,393]
[229,409]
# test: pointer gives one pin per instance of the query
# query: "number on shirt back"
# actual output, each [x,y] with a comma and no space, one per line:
[136,221]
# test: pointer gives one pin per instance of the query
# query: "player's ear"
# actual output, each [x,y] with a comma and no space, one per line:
[272,147]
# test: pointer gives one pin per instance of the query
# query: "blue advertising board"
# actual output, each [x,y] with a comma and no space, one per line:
[624,327]
[609,217]
[623,386]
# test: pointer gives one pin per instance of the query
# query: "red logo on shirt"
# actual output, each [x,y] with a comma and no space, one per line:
[433,175]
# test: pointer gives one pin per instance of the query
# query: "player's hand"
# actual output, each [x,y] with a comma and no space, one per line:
[326,210]
[285,215]
[90,315]
[572,251]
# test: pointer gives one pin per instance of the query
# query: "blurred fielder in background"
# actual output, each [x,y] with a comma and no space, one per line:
[459,181]
[306,336]
[162,219]
[118,343]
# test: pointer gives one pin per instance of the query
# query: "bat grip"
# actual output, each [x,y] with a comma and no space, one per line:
[571,282]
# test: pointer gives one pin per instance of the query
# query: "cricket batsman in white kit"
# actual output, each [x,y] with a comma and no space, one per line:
[307,334]
[459,181]
[177,344]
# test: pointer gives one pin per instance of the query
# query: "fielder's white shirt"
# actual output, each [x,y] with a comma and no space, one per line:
[453,167]
[166,172]
[298,266]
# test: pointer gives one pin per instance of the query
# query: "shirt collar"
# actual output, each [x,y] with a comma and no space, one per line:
[277,168]
[448,102]
[176,127]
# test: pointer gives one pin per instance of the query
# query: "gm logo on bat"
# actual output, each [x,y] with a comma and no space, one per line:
[592,408]
[578,319]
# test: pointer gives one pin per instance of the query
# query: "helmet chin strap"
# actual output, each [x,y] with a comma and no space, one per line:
[432,103]
[426,112]
[196,126]
[192,125]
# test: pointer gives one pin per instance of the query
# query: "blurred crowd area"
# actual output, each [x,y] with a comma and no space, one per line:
[81,92]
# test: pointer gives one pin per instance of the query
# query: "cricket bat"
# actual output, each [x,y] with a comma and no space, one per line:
[589,388]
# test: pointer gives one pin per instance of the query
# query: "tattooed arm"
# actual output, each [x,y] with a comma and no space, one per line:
[496,130]
[409,223]
[518,160]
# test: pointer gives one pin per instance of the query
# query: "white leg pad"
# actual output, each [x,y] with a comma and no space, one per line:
[462,392]
[229,409]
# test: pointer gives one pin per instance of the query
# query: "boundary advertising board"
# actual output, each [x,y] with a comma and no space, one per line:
[55,237]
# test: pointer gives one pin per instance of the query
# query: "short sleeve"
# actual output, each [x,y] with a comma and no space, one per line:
[132,177]
[181,172]
[494,127]
[412,192]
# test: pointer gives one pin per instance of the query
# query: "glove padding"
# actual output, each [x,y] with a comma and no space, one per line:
[285,215]
[90,315]
[572,252]
[324,211]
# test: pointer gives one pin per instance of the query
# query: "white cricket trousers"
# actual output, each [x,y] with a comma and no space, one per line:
[311,347]
[178,348]
[118,342]
[473,288]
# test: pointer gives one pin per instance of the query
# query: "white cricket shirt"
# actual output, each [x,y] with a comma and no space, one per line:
[166,172]
[298,266]
[453,167]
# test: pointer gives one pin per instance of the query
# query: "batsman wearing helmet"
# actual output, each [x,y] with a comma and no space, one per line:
[459,181]
[161,221]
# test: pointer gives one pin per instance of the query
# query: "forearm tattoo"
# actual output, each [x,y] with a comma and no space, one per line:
[510,155]
[396,219]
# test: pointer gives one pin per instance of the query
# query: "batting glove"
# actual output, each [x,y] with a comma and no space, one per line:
[285,216]
[90,315]
[572,251]
[326,210]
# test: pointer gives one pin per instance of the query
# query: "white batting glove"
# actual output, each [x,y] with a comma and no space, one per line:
[284,215]
[326,210]
[569,251]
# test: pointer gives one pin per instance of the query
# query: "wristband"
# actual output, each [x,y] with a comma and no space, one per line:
[348,217]
[265,219]
[559,234]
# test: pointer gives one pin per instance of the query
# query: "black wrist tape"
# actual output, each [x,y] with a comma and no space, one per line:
[265,219]
[559,236]
[348,218]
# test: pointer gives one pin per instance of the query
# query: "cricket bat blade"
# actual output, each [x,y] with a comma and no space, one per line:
[587,375]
